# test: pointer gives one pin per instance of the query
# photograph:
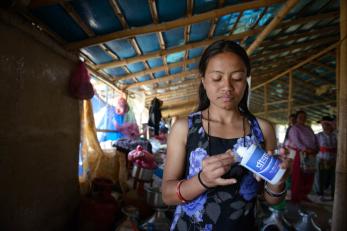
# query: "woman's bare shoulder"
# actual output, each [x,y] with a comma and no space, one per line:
[179,129]
[264,124]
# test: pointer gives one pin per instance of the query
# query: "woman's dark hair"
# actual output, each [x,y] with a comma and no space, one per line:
[299,112]
[216,48]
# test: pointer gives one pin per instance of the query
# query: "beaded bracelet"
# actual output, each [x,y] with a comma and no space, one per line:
[178,191]
[202,183]
[273,194]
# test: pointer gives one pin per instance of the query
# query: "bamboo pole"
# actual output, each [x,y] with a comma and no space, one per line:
[169,113]
[299,107]
[177,104]
[340,201]
[278,18]
[157,69]
[171,24]
[178,98]
[165,78]
[290,93]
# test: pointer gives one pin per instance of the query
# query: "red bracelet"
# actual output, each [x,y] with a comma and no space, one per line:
[178,191]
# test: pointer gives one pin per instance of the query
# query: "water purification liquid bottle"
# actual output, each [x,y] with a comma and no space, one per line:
[261,163]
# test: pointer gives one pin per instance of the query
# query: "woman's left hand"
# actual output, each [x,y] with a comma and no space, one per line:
[285,164]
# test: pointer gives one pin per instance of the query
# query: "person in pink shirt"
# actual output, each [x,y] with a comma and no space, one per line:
[302,139]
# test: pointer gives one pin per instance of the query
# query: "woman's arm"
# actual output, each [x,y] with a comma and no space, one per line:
[270,145]
[213,168]
[174,167]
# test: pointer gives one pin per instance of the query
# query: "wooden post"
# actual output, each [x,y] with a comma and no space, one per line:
[340,201]
[290,93]
[337,82]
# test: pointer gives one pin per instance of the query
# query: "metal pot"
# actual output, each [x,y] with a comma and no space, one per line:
[276,221]
[142,173]
[306,223]
[154,197]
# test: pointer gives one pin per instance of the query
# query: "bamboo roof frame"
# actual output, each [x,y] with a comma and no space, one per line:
[170,25]
[267,48]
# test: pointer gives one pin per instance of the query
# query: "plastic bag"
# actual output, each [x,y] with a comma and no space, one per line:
[80,86]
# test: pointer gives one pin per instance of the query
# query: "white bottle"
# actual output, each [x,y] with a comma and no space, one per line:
[261,163]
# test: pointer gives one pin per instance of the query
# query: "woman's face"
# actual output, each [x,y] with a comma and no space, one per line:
[327,126]
[225,80]
[301,119]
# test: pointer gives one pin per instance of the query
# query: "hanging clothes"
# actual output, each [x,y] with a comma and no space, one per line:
[155,114]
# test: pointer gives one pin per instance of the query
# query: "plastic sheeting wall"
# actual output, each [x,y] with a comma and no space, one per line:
[39,136]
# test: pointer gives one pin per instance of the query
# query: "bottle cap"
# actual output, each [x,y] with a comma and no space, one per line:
[241,151]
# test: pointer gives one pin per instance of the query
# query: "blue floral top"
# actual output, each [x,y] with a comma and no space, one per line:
[225,207]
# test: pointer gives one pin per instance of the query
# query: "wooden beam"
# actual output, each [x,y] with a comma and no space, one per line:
[174,112]
[333,46]
[74,15]
[157,69]
[172,24]
[187,28]
[180,85]
[155,18]
[176,49]
[277,19]
[340,200]
[118,12]
[188,90]
[175,98]
[205,43]
[235,24]
[165,78]
[255,24]
[299,107]
[179,104]
[169,93]
[174,104]
[212,27]
[154,12]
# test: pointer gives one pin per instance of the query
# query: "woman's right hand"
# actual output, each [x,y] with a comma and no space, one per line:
[214,167]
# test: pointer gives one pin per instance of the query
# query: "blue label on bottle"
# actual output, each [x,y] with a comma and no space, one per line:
[264,164]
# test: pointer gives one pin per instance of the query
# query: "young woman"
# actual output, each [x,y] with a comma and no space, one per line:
[211,191]
[303,141]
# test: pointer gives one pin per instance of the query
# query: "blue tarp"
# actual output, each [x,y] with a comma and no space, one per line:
[105,118]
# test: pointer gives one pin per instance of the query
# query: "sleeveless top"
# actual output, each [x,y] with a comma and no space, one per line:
[221,208]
